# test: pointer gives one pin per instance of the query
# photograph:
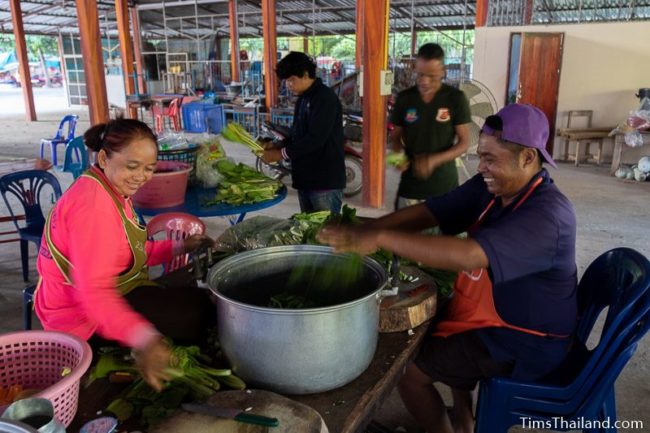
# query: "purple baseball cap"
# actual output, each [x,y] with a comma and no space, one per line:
[525,125]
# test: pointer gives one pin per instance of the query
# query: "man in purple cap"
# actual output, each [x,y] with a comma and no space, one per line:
[514,306]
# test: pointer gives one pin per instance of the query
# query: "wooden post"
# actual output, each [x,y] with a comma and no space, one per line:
[359,34]
[59,46]
[374,105]
[234,39]
[23,61]
[305,44]
[482,7]
[528,12]
[414,41]
[137,51]
[270,53]
[126,51]
[91,49]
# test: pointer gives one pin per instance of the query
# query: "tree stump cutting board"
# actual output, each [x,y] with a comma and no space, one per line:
[415,303]
[293,416]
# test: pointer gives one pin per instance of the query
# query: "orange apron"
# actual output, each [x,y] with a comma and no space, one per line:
[472,305]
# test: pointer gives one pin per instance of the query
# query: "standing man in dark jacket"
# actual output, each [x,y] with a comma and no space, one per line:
[315,146]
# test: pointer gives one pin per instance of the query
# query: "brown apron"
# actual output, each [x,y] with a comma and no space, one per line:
[472,305]
[136,235]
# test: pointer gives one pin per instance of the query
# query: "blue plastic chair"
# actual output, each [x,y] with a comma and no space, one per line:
[584,386]
[76,157]
[69,121]
[28,306]
[26,187]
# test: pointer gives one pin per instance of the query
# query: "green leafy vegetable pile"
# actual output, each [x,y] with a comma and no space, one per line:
[243,184]
[193,379]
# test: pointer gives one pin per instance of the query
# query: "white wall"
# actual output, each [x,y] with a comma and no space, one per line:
[603,66]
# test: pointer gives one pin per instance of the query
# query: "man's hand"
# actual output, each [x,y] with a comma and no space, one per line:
[152,361]
[272,155]
[195,242]
[347,238]
[424,165]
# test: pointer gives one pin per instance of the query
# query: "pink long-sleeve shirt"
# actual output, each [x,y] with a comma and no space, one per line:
[86,228]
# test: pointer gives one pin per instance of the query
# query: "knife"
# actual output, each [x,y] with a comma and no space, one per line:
[236,414]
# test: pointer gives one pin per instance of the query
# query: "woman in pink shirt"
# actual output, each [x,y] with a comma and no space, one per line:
[94,256]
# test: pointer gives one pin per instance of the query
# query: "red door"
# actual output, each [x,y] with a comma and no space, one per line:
[540,61]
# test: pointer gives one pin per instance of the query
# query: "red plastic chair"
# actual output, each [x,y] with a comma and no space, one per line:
[176,225]
[173,112]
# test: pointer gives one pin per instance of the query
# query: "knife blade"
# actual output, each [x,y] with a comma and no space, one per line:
[231,413]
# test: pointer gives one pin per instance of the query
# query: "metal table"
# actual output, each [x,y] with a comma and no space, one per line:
[196,196]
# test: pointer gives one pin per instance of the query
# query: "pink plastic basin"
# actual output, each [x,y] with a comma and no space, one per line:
[167,186]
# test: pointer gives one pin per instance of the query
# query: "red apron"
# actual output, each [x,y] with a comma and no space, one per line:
[472,305]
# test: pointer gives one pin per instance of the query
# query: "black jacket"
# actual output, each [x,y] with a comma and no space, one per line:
[316,143]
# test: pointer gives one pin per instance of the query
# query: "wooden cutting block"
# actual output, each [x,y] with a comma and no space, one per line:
[293,416]
[414,304]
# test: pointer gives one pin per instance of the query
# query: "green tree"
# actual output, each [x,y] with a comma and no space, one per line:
[37,48]
[345,50]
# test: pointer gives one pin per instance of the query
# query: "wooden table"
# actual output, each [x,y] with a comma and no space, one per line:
[345,410]
[21,164]
[620,146]
[139,103]
[586,136]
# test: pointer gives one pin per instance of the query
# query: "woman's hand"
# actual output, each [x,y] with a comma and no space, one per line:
[346,238]
[195,242]
[152,361]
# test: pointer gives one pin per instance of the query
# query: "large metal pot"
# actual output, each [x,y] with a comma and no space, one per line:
[296,351]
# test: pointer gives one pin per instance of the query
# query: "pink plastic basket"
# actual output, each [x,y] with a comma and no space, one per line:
[166,188]
[36,359]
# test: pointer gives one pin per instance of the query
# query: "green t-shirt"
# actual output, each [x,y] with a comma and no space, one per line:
[430,128]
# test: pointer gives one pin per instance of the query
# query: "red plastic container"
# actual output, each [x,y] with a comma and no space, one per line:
[166,188]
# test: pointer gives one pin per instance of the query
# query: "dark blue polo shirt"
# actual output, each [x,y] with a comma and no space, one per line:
[531,253]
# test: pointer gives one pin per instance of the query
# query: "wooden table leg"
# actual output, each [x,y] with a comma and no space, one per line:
[618,152]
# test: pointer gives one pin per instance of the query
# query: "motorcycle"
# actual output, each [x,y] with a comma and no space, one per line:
[278,170]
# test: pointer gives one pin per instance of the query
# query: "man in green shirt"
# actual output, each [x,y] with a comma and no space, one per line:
[428,118]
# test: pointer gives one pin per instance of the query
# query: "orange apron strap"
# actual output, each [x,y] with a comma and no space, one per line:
[472,305]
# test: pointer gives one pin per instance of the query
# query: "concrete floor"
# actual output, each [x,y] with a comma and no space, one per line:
[610,213]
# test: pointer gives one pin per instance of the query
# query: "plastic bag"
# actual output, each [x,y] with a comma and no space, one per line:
[259,232]
[633,139]
[170,140]
[208,154]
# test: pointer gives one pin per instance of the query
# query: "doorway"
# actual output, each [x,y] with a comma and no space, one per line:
[535,63]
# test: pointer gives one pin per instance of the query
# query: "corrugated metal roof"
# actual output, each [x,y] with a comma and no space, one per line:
[294,17]
[323,17]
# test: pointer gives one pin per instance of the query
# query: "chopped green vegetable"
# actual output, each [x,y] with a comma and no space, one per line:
[396,159]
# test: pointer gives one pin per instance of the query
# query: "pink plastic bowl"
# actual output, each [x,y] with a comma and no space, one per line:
[36,359]
[167,186]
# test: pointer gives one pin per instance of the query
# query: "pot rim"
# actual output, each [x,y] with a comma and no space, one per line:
[293,311]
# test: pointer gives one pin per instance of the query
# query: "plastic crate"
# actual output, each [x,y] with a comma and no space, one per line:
[202,117]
